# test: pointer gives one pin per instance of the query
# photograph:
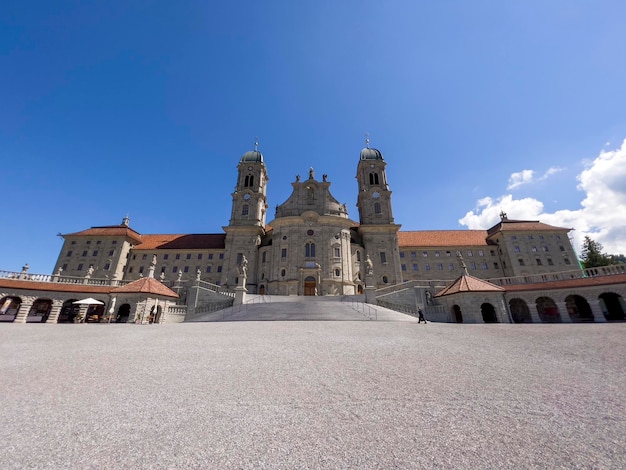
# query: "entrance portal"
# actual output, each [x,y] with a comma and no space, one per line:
[310,286]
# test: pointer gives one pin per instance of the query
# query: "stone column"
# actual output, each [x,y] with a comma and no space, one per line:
[534,314]
[562,306]
[22,312]
[55,311]
[240,295]
[598,314]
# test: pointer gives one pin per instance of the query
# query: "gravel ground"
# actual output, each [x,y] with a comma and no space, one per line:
[315,394]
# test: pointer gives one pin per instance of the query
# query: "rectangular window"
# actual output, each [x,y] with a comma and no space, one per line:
[337,253]
[239,258]
[517,249]
[178,256]
[64,267]
[245,209]
[107,266]
[448,253]
[427,267]
[550,262]
[481,253]
[521,262]
[513,237]
[80,267]
[219,269]
[263,256]
[440,266]
[221,256]
[534,249]
[88,242]
[567,261]
[561,247]
[175,269]
[495,266]
[469,253]
[208,269]
[144,257]
[111,253]
[473,266]
[186,269]
[73,243]
[166,256]
[283,253]
[530,237]
[140,269]
[425,254]
[402,254]
[415,268]
[163,269]
[210,255]
[200,256]
[403,266]
[188,255]
[95,253]
[130,270]
[98,242]
[538,262]
[485,265]
[413,254]
[383,257]
[492,253]
[84,253]
[69,253]
[545,248]
[436,254]
[114,242]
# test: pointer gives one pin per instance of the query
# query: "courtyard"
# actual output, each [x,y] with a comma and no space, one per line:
[313,394]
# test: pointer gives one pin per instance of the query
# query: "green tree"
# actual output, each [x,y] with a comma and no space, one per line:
[592,255]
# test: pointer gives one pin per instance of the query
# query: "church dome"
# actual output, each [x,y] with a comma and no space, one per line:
[371,154]
[252,156]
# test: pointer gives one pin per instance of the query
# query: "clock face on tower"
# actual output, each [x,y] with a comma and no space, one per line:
[376,195]
[249,168]
[246,197]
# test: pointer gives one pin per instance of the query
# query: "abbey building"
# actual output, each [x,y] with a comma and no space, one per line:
[312,246]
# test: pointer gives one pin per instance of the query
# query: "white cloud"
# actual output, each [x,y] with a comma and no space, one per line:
[520,178]
[602,214]
[528,176]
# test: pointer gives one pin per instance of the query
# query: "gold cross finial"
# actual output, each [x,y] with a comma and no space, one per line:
[256,144]
[367,139]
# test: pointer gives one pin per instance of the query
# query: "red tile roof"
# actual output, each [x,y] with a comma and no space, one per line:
[507,225]
[467,283]
[108,230]
[53,286]
[442,238]
[203,241]
[147,285]
[570,283]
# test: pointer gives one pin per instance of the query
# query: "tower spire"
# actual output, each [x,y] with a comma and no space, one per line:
[256,144]
[367,139]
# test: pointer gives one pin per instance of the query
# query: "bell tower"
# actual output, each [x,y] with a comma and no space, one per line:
[374,200]
[377,229]
[249,198]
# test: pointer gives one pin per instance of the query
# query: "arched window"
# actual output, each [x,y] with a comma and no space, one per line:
[377,208]
[309,250]
[245,209]
[249,181]
[373,178]
[358,256]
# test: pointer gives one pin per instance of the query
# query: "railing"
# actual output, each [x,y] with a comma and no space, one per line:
[213,307]
[410,309]
[600,271]
[177,310]
[367,310]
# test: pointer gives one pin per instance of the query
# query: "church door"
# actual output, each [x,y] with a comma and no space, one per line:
[310,286]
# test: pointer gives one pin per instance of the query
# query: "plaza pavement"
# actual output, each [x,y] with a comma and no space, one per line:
[312,394]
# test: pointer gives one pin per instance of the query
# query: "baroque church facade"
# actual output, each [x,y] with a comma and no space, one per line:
[312,247]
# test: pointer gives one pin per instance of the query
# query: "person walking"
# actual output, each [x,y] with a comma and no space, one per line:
[420,316]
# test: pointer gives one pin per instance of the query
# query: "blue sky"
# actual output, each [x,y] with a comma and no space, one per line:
[144,108]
